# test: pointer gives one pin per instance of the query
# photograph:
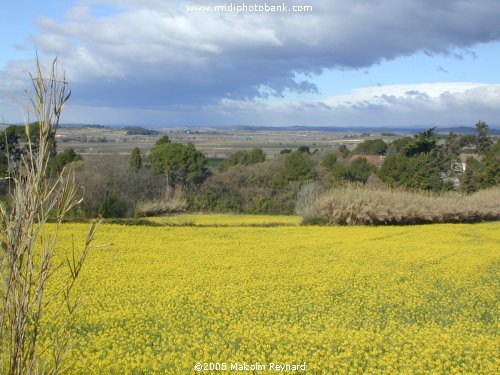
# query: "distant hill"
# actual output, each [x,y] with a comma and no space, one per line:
[465,130]
[371,129]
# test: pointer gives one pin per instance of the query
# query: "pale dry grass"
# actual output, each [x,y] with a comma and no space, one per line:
[173,202]
[358,205]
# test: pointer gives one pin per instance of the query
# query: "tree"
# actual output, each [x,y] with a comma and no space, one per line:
[423,143]
[468,140]
[470,181]
[162,140]
[239,157]
[358,171]
[393,170]
[304,149]
[329,161]
[371,147]
[452,147]
[343,151]
[182,164]
[61,159]
[135,159]
[12,137]
[491,170]
[297,167]
[482,174]
[244,157]
[422,171]
[398,145]
[484,142]
[361,170]
[256,155]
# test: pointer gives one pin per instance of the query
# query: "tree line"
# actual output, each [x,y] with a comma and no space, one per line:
[175,177]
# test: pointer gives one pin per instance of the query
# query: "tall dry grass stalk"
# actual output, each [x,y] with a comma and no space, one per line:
[361,205]
[28,259]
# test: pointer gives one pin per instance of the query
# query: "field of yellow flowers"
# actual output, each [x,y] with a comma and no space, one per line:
[415,299]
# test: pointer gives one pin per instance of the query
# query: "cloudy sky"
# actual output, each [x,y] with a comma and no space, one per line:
[346,62]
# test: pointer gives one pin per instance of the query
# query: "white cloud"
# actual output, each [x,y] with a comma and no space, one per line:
[452,103]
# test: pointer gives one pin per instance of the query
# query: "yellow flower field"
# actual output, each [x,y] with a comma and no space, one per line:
[226,220]
[380,300]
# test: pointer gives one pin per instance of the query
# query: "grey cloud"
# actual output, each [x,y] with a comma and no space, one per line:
[154,54]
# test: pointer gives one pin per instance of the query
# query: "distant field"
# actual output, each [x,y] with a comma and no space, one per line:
[218,144]
[380,300]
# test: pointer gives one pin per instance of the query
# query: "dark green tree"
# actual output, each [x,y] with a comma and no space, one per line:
[297,167]
[361,170]
[304,149]
[162,140]
[256,155]
[398,145]
[239,157]
[471,179]
[423,143]
[422,171]
[343,151]
[329,161]
[135,159]
[394,170]
[244,157]
[58,161]
[451,147]
[371,147]
[468,141]
[482,174]
[182,164]
[484,142]
[358,171]
[14,143]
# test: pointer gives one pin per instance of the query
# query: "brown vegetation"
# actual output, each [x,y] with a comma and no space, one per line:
[28,262]
[362,205]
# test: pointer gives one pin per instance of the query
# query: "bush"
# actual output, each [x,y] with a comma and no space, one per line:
[103,178]
[358,171]
[329,160]
[357,205]
[244,157]
[306,197]
[246,189]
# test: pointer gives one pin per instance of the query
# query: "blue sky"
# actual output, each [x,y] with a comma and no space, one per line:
[152,62]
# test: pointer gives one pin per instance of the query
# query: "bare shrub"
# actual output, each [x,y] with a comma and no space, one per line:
[28,261]
[353,205]
[108,180]
[308,194]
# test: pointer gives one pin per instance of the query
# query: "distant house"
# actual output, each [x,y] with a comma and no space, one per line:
[462,164]
[376,160]
[457,168]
